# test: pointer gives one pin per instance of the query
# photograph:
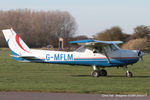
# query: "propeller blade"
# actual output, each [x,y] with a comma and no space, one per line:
[142,59]
[141,54]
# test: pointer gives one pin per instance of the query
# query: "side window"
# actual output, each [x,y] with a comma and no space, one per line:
[107,48]
[98,49]
[80,49]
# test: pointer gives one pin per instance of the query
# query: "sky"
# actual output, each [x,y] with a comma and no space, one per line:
[92,16]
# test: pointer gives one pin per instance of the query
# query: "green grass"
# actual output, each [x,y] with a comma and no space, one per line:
[19,76]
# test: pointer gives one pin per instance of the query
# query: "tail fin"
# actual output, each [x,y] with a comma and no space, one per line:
[15,43]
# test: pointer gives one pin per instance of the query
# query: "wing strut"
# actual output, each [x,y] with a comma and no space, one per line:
[106,55]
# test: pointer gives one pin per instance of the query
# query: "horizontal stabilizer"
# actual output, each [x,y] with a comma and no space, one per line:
[25,57]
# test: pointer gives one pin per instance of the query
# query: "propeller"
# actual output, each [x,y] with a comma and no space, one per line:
[141,54]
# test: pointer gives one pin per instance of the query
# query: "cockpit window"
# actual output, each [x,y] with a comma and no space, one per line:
[98,50]
[113,47]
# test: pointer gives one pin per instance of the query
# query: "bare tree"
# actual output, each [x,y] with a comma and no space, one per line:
[38,28]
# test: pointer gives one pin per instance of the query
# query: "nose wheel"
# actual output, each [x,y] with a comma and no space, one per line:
[128,73]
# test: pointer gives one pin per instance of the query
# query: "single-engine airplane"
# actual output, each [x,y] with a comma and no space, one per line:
[99,54]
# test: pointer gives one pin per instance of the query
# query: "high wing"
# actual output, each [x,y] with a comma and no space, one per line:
[96,43]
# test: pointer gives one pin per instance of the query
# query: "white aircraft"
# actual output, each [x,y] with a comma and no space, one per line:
[99,54]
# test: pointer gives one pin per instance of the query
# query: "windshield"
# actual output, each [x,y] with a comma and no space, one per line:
[114,47]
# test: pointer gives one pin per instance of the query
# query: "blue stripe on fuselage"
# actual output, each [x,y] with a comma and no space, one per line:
[98,62]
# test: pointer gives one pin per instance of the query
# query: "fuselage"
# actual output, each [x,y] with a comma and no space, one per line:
[84,57]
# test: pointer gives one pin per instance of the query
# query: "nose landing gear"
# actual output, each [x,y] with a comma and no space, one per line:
[128,73]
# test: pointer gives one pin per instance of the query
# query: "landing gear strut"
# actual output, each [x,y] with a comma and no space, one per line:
[97,72]
[128,73]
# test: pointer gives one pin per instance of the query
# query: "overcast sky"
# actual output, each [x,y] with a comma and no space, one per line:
[92,16]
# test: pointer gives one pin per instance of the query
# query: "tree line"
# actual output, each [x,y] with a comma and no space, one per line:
[42,28]
[115,33]
[38,28]
[140,39]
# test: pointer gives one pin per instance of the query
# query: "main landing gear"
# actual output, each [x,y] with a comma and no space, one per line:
[101,72]
[97,72]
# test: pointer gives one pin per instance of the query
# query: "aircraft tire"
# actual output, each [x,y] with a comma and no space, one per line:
[103,72]
[129,74]
[95,73]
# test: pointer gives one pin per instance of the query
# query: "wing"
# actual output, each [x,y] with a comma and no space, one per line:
[97,43]
[94,42]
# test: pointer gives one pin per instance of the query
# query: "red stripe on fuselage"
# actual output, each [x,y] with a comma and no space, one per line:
[106,57]
[19,44]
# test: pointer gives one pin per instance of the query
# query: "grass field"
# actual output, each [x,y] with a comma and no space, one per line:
[19,76]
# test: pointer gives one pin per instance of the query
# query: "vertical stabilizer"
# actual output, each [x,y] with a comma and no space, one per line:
[15,43]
